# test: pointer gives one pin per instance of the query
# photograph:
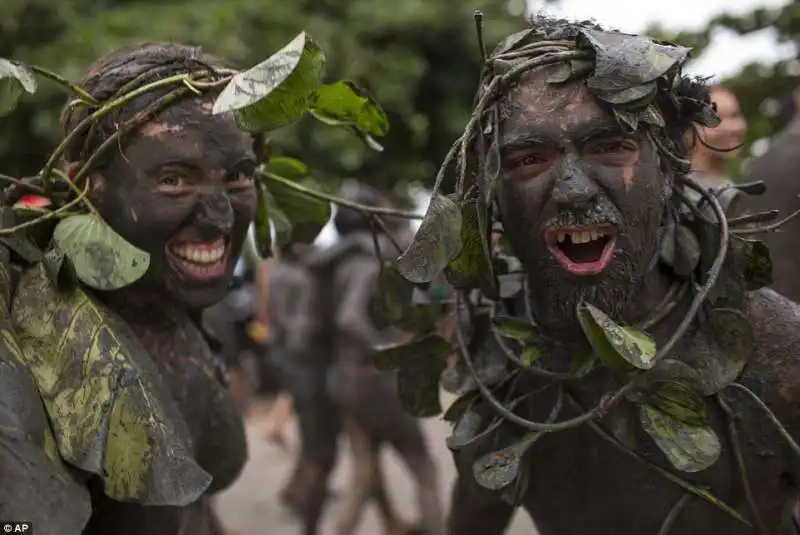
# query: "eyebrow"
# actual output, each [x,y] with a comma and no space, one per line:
[585,133]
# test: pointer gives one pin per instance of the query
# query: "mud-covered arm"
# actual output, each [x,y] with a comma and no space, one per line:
[35,484]
[357,277]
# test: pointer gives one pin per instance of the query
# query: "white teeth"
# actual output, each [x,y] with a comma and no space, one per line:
[579,237]
[201,254]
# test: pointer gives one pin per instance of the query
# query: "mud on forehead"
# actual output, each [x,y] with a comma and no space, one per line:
[534,102]
[188,129]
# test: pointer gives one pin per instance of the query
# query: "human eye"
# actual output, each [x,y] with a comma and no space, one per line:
[528,163]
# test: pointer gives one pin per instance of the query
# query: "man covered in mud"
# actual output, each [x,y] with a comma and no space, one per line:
[181,188]
[660,389]
[324,335]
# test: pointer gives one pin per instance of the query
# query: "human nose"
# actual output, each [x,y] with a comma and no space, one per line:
[573,188]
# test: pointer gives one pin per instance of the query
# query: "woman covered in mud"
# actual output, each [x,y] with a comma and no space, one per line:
[179,187]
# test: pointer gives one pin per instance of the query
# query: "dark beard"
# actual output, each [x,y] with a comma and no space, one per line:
[554,298]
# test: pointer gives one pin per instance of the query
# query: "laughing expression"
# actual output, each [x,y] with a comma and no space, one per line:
[183,190]
[581,201]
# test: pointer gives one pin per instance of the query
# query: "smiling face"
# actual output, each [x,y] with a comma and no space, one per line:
[182,189]
[581,202]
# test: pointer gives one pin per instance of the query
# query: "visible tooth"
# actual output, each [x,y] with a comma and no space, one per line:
[561,236]
[587,237]
[600,233]
[575,237]
[593,235]
[205,257]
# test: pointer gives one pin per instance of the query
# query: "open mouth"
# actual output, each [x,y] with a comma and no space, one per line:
[583,250]
[198,261]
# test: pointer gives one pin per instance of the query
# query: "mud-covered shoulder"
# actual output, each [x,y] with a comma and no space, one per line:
[776,328]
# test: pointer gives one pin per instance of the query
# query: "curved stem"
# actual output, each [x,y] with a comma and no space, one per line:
[379,222]
[768,228]
[672,517]
[65,178]
[22,184]
[782,430]
[477,114]
[49,215]
[737,452]
[363,208]
[83,95]
[126,127]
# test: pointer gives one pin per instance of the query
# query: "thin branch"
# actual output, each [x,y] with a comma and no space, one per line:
[672,517]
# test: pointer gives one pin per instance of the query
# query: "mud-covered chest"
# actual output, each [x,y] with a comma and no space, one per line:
[196,379]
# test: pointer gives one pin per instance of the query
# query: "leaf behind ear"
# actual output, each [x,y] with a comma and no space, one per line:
[301,211]
[472,267]
[263,237]
[103,259]
[437,242]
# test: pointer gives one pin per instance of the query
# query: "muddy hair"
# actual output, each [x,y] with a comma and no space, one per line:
[681,104]
[122,71]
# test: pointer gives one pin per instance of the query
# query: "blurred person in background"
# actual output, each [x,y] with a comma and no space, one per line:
[713,148]
[779,168]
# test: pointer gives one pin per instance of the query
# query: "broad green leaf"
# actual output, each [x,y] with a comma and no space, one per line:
[514,328]
[437,242]
[286,167]
[498,469]
[298,207]
[59,270]
[263,237]
[678,400]
[111,413]
[277,91]
[758,269]
[689,448]
[102,258]
[420,364]
[18,242]
[347,103]
[392,303]
[14,80]
[618,347]
[473,267]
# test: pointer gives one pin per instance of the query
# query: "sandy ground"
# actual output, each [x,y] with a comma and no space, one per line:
[251,507]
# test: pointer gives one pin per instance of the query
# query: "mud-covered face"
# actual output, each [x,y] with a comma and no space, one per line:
[182,189]
[581,202]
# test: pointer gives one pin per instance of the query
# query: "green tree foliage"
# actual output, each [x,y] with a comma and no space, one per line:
[419,58]
[764,91]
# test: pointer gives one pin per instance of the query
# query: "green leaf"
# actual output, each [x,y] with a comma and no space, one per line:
[758,269]
[678,400]
[103,259]
[689,448]
[531,355]
[420,364]
[437,242]
[298,207]
[276,92]
[111,413]
[14,79]
[286,167]
[472,267]
[18,242]
[618,347]
[345,103]
[514,328]
[582,364]
[263,237]
[498,469]
[393,306]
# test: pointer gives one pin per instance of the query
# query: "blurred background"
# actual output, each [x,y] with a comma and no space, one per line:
[420,59]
